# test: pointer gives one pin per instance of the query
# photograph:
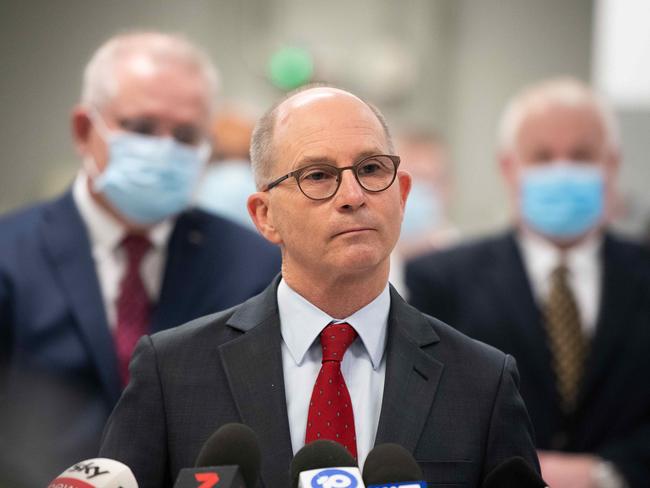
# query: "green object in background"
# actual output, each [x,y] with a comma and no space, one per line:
[290,67]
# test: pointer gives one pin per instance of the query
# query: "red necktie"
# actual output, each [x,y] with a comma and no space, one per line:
[133,306]
[330,409]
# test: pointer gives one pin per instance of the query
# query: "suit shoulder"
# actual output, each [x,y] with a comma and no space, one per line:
[20,234]
[21,222]
[218,229]
[208,329]
[628,248]
[456,344]
[466,254]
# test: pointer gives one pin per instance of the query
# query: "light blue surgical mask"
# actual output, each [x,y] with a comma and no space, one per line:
[423,212]
[225,188]
[149,178]
[562,199]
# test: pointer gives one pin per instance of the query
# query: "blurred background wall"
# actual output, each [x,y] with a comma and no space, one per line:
[448,65]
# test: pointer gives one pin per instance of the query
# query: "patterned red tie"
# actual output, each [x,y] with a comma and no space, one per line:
[133,306]
[330,409]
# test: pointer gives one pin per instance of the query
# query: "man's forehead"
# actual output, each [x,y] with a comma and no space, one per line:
[322,121]
[318,94]
[568,119]
[142,83]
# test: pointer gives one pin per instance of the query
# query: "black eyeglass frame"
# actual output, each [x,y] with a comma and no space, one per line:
[298,172]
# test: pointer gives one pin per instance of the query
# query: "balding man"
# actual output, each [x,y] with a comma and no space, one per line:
[329,350]
[559,292]
[82,277]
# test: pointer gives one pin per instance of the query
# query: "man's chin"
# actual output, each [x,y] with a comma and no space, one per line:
[360,258]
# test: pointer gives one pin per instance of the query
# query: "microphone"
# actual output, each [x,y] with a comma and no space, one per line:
[514,472]
[390,465]
[324,464]
[96,473]
[229,458]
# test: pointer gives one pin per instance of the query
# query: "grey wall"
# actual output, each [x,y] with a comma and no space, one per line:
[455,64]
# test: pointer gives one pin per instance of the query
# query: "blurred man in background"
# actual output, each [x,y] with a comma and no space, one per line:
[118,255]
[228,179]
[567,298]
[426,225]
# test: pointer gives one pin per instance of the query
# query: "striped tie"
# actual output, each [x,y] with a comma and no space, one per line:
[566,341]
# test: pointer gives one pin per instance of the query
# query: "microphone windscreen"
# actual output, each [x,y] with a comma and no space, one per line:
[319,454]
[390,463]
[233,444]
[96,473]
[514,472]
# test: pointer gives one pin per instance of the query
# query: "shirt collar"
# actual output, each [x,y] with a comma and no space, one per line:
[104,230]
[541,256]
[301,322]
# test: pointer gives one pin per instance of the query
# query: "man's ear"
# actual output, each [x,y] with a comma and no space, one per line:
[613,199]
[81,127]
[405,182]
[507,166]
[262,215]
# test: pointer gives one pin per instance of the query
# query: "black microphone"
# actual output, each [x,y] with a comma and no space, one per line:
[229,458]
[322,459]
[514,472]
[391,465]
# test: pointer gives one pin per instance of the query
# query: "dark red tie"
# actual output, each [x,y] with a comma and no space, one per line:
[133,305]
[330,409]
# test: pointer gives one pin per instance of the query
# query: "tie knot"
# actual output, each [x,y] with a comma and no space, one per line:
[559,273]
[335,340]
[135,246]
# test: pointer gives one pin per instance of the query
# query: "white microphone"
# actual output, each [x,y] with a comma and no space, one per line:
[96,473]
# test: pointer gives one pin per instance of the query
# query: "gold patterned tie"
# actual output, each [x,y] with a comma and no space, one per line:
[567,343]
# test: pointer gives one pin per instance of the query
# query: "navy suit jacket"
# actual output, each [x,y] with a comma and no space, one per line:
[58,369]
[482,289]
[451,401]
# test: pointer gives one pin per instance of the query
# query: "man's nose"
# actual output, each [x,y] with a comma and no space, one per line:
[350,192]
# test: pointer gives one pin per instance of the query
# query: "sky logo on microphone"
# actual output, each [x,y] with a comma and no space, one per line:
[334,478]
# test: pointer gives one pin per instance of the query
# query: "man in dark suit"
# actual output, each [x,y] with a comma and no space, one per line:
[82,277]
[329,350]
[564,296]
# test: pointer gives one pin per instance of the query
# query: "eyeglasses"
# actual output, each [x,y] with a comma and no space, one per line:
[321,181]
[184,133]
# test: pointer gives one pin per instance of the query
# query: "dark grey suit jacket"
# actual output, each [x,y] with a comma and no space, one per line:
[452,401]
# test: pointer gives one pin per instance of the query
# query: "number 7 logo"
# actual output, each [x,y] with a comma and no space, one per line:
[208,480]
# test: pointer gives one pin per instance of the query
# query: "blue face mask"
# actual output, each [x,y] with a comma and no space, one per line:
[149,178]
[224,190]
[562,199]
[423,211]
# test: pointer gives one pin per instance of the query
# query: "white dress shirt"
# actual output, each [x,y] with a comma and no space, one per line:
[584,273]
[363,366]
[106,234]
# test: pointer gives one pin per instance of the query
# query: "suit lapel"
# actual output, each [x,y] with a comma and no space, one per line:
[412,376]
[253,366]
[66,241]
[181,284]
[620,295]
[510,282]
